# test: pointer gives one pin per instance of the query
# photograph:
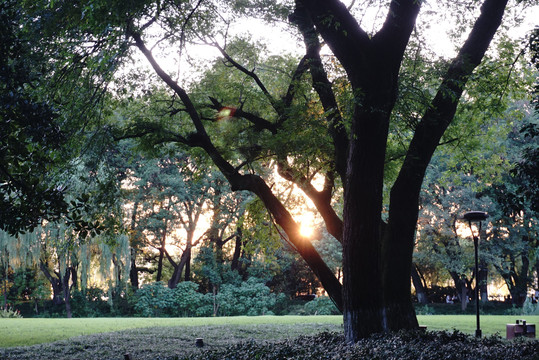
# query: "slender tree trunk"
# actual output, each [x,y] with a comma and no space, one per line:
[67,291]
[234,264]
[187,274]
[160,264]
[483,283]
[133,271]
[419,287]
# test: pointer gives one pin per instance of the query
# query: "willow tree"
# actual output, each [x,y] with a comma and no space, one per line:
[302,122]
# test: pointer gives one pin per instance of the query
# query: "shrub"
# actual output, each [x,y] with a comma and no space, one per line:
[90,303]
[529,308]
[424,310]
[321,305]
[186,299]
[8,312]
[154,300]
[251,298]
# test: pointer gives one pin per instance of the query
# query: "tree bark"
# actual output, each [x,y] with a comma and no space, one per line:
[483,283]
[419,287]
[67,290]
[133,271]
[56,284]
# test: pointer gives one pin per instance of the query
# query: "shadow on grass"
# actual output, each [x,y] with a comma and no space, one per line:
[276,342]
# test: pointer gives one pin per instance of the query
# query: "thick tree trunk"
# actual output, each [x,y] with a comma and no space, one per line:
[462,288]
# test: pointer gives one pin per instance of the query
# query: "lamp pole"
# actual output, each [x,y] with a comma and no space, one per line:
[476,216]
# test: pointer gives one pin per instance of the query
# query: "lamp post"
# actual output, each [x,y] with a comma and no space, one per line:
[476,217]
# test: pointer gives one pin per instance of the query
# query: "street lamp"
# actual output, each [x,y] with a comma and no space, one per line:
[476,217]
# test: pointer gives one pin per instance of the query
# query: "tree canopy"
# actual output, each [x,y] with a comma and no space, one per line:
[360,124]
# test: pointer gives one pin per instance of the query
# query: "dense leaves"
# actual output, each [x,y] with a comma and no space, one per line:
[29,135]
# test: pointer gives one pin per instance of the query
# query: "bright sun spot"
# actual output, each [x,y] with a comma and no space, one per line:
[306,225]
[306,230]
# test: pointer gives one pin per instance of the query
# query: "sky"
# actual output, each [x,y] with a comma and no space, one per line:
[280,40]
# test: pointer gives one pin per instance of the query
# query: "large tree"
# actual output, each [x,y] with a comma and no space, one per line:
[306,126]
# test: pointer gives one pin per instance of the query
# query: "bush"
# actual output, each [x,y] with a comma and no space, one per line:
[251,298]
[8,312]
[157,300]
[154,300]
[529,308]
[424,310]
[187,300]
[321,305]
[90,303]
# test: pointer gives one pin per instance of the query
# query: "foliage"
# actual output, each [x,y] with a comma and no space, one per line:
[251,298]
[8,312]
[154,299]
[321,305]
[30,136]
[92,302]
[529,308]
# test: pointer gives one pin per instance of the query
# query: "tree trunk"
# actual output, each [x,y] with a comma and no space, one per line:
[178,268]
[419,287]
[133,271]
[187,273]
[4,287]
[160,264]
[56,284]
[483,283]
[234,264]
[67,291]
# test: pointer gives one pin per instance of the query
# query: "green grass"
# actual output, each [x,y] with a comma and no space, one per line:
[171,338]
[24,332]
[490,324]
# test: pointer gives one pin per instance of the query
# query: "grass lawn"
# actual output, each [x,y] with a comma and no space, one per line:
[490,324]
[24,332]
[174,338]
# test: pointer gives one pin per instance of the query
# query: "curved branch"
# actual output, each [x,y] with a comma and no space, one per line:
[320,199]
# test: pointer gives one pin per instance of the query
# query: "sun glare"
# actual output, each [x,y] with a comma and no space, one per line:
[306,225]
[306,230]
